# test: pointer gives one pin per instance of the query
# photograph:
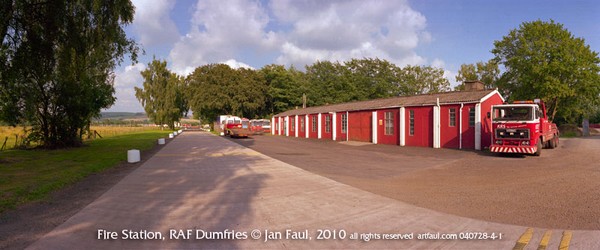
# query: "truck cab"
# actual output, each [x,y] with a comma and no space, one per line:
[522,127]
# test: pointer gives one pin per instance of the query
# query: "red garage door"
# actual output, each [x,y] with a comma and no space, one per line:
[419,126]
[359,126]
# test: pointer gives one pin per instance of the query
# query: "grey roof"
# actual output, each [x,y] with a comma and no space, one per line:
[394,102]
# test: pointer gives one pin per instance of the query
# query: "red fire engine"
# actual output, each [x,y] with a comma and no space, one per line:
[234,126]
[260,126]
[523,128]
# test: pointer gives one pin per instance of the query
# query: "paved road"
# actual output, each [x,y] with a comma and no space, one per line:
[208,184]
[560,189]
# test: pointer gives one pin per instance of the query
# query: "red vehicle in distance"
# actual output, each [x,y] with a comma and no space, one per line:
[234,126]
[260,126]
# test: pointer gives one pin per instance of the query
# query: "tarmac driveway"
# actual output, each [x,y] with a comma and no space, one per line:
[226,195]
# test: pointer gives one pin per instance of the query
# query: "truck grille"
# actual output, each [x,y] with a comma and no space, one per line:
[512,134]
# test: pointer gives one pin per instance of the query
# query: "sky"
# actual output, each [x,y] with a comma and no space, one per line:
[251,33]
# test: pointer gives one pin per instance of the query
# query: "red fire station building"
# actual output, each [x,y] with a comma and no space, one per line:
[449,120]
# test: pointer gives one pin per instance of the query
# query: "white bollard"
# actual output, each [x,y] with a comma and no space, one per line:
[175,133]
[171,135]
[180,131]
[161,141]
[133,156]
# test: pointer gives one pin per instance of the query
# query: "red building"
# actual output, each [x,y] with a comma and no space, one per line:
[442,120]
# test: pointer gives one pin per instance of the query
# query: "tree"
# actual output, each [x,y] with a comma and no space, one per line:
[486,72]
[544,60]
[161,95]
[284,88]
[327,83]
[217,89]
[251,92]
[57,60]
[415,80]
[372,78]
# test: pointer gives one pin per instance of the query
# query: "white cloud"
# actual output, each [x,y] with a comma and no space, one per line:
[236,65]
[221,31]
[450,75]
[130,76]
[340,30]
[125,81]
[152,22]
[300,32]
[438,63]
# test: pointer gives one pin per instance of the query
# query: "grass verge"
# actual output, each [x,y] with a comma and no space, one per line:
[29,175]
[568,134]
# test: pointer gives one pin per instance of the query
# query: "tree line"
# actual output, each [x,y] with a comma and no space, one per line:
[215,89]
[539,60]
[57,61]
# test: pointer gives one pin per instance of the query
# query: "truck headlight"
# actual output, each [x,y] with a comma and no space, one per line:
[525,143]
[498,142]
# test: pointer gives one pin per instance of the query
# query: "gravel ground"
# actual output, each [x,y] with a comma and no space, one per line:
[558,190]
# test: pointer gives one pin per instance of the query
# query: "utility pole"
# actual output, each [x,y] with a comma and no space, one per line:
[304,100]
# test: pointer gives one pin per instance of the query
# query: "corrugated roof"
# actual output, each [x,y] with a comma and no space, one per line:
[393,102]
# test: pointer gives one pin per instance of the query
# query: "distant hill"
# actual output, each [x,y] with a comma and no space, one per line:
[122,115]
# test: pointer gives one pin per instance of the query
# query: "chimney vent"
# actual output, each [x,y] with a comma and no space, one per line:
[474,85]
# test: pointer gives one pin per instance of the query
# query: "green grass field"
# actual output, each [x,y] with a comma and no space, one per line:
[29,175]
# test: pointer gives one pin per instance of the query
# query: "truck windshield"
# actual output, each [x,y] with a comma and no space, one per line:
[513,113]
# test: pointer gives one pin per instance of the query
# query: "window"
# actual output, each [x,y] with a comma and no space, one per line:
[292,124]
[327,124]
[452,117]
[285,126]
[389,123]
[314,124]
[471,117]
[301,124]
[411,122]
[344,123]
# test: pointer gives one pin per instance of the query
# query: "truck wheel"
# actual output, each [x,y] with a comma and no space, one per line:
[538,152]
[552,143]
[557,141]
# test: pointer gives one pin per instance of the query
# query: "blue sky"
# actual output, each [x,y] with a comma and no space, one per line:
[249,33]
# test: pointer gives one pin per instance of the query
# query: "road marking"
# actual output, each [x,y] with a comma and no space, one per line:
[545,240]
[524,239]
[565,240]
[528,234]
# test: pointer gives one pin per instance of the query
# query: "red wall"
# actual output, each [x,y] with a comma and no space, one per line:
[292,132]
[382,138]
[423,136]
[449,136]
[359,126]
[468,136]
[324,134]
[301,120]
[312,134]
[486,123]
[276,126]
[338,127]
